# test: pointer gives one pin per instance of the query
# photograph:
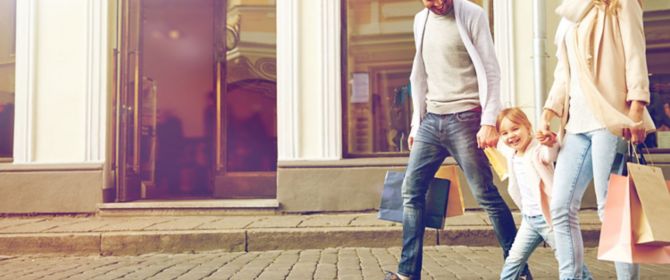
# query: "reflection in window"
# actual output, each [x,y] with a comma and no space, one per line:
[379,52]
[251,92]
[7,70]
[252,128]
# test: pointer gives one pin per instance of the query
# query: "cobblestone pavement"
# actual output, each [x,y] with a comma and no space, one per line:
[440,262]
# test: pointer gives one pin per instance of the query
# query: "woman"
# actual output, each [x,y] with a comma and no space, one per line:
[600,91]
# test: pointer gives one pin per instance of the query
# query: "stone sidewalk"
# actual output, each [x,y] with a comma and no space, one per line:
[95,235]
[440,262]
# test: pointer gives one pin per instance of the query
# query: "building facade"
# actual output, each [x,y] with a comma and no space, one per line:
[288,105]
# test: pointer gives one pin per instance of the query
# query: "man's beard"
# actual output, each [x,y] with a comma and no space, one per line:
[441,11]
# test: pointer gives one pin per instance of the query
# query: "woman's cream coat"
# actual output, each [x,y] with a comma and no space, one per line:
[540,159]
[610,48]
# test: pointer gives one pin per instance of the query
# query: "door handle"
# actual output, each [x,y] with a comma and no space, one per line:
[136,113]
[219,125]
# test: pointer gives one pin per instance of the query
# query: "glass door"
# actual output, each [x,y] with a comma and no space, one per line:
[128,101]
[196,99]
[246,114]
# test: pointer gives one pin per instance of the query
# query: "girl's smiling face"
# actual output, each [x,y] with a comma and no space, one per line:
[514,135]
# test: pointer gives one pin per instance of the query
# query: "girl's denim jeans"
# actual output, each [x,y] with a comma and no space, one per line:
[533,230]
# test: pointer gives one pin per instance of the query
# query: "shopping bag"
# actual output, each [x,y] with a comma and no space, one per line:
[498,162]
[616,234]
[455,205]
[391,208]
[652,208]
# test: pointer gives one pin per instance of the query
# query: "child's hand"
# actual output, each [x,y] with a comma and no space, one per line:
[547,138]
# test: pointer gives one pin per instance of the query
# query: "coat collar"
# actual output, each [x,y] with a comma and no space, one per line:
[574,10]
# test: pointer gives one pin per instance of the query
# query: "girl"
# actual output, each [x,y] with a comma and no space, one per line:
[531,169]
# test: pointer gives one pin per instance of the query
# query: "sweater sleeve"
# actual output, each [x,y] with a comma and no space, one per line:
[634,47]
[559,89]
[483,42]
[417,81]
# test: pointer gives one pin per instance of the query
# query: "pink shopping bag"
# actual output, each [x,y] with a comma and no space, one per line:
[616,235]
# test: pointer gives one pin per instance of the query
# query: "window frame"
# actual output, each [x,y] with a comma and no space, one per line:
[12,50]
[10,59]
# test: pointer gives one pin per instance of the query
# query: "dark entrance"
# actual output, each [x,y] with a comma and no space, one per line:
[196,99]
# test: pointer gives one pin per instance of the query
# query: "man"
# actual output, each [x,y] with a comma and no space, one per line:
[455,94]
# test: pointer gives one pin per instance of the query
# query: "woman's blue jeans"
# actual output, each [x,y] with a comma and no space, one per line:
[440,136]
[584,156]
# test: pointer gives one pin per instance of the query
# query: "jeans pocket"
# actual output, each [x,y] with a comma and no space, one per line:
[468,116]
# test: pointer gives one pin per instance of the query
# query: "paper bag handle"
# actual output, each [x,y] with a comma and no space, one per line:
[635,155]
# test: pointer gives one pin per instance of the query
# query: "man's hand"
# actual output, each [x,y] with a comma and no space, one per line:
[410,142]
[487,137]
[637,133]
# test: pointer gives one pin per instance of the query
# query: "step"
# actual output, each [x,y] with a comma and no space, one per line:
[189,241]
[193,207]
[134,235]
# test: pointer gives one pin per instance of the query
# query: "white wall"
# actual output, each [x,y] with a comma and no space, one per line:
[308,80]
[523,52]
[60,88]
[61,81]
[654,5]
[523,43]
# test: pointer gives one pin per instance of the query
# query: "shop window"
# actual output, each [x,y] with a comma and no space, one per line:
[378,49]
[656,29]
[378,53]
[7,70]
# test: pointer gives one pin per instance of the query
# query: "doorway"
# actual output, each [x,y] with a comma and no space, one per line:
[196,99]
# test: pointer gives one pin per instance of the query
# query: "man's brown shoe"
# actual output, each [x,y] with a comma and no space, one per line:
[391,276]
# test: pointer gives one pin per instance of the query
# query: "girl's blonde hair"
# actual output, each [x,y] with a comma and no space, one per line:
[613,4]
[610,4]
[515,115]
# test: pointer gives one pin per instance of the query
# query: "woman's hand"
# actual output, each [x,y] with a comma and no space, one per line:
[544,133]
[546,138]
[637,133]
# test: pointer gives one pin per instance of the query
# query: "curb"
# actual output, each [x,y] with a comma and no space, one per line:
[144,242]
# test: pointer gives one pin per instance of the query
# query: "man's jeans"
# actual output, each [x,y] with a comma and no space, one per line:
[438,137]
[584,156]
[533,230]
